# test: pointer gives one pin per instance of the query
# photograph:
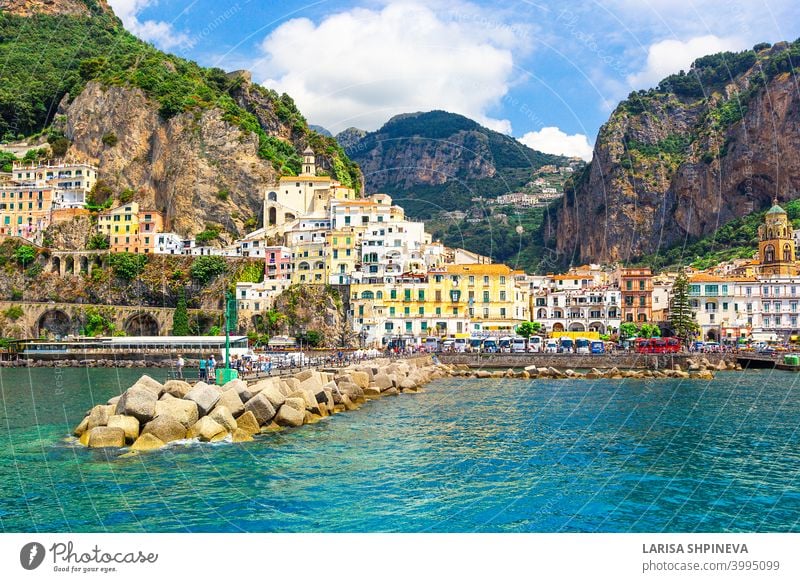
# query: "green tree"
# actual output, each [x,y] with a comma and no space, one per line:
[215,330]
[628,329]
[648,330]
[180,319]
[127,266]
[680,310]
[206,268]
[528,328]
[25,255]
[312,337]
[98,242]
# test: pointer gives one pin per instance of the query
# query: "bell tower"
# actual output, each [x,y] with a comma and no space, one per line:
[309,165]
[776,252]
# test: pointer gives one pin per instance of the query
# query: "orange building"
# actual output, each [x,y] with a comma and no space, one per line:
[636,290]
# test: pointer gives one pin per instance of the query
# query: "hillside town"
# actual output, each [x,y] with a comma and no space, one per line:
[401,286]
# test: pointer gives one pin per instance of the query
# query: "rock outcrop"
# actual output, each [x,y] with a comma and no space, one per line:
[681,160]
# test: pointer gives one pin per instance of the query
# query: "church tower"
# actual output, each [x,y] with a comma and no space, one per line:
[776,252]
[309,166]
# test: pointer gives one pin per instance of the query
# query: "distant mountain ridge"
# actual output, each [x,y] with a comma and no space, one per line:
[433,161]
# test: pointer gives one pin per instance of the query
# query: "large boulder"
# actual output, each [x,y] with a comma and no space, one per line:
[82,427]
[261,408]
[383,381]
[230,399]
[241,436]
[309,398]
[184,411]
[275,395]
[98,415]
[372,391]
[312,384]
[289,416]
[138,402]
[177,388]
[205,396]
[361,379]
[247,391]
[247,422]
[292,384]
[408,384]
[147,442]
[127,423]
[304,375]
[296,403]
[223,416]
[206,429]
[106,436]
[154,386]
[165,428]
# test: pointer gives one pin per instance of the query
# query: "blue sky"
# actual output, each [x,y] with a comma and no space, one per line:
[548,73]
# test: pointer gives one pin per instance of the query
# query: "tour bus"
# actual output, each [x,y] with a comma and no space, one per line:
[460,344]
[581,345]
[519,345]
[551,347]
[431,344]
[448,345]
[475,343]
[566,345]
[489,345]
[534,344]
[657,345]
[505,344]
[598,347]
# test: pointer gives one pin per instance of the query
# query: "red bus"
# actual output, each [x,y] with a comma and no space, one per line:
[658,345]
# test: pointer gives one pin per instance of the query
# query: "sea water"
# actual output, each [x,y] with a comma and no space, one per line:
[465,455]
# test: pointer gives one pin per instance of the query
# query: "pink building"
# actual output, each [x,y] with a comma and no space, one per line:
[278,263]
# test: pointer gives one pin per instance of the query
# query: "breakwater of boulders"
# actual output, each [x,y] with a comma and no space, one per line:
[149,414]
[698,369]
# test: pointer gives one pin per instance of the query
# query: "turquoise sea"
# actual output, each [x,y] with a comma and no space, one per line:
[464,456]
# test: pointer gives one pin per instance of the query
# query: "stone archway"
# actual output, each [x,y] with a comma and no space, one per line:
[84,264]
[56,265]
[558,327]
[576,327]
[69,265]
[53,322]
[141,324]
[711,335]
[597,326]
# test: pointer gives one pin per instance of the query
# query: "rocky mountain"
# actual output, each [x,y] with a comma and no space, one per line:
[677,162]
[195,143]
[437,161]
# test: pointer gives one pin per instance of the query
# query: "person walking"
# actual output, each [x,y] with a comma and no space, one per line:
[212,369]
[203,370]
[179,367]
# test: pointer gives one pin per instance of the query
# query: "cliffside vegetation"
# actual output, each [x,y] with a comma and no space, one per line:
[38,71]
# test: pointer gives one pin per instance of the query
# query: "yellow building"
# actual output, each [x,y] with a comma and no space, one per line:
[450,301]
[342,254]
[776,250]
[130,229]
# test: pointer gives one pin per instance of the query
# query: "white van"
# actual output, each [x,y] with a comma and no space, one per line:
[518,344]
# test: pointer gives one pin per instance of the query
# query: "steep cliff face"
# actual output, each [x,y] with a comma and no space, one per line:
[196,143]
[439,160]
[679,161]
[197,169]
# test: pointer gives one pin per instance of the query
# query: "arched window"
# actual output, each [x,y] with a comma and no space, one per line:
[272,197]
[367,295]
[769,254]
[542,314]
[642,317]
[787,253]
[379,295]
[273,216]
[303,266]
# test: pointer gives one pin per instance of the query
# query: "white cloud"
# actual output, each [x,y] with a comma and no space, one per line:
[551,140]
[160,33]
[670,56]
[361,66]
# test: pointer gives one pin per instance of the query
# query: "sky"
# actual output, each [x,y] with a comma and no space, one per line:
[548,73]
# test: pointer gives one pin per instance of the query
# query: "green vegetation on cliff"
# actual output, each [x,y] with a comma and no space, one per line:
[46,57]
[737,239]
